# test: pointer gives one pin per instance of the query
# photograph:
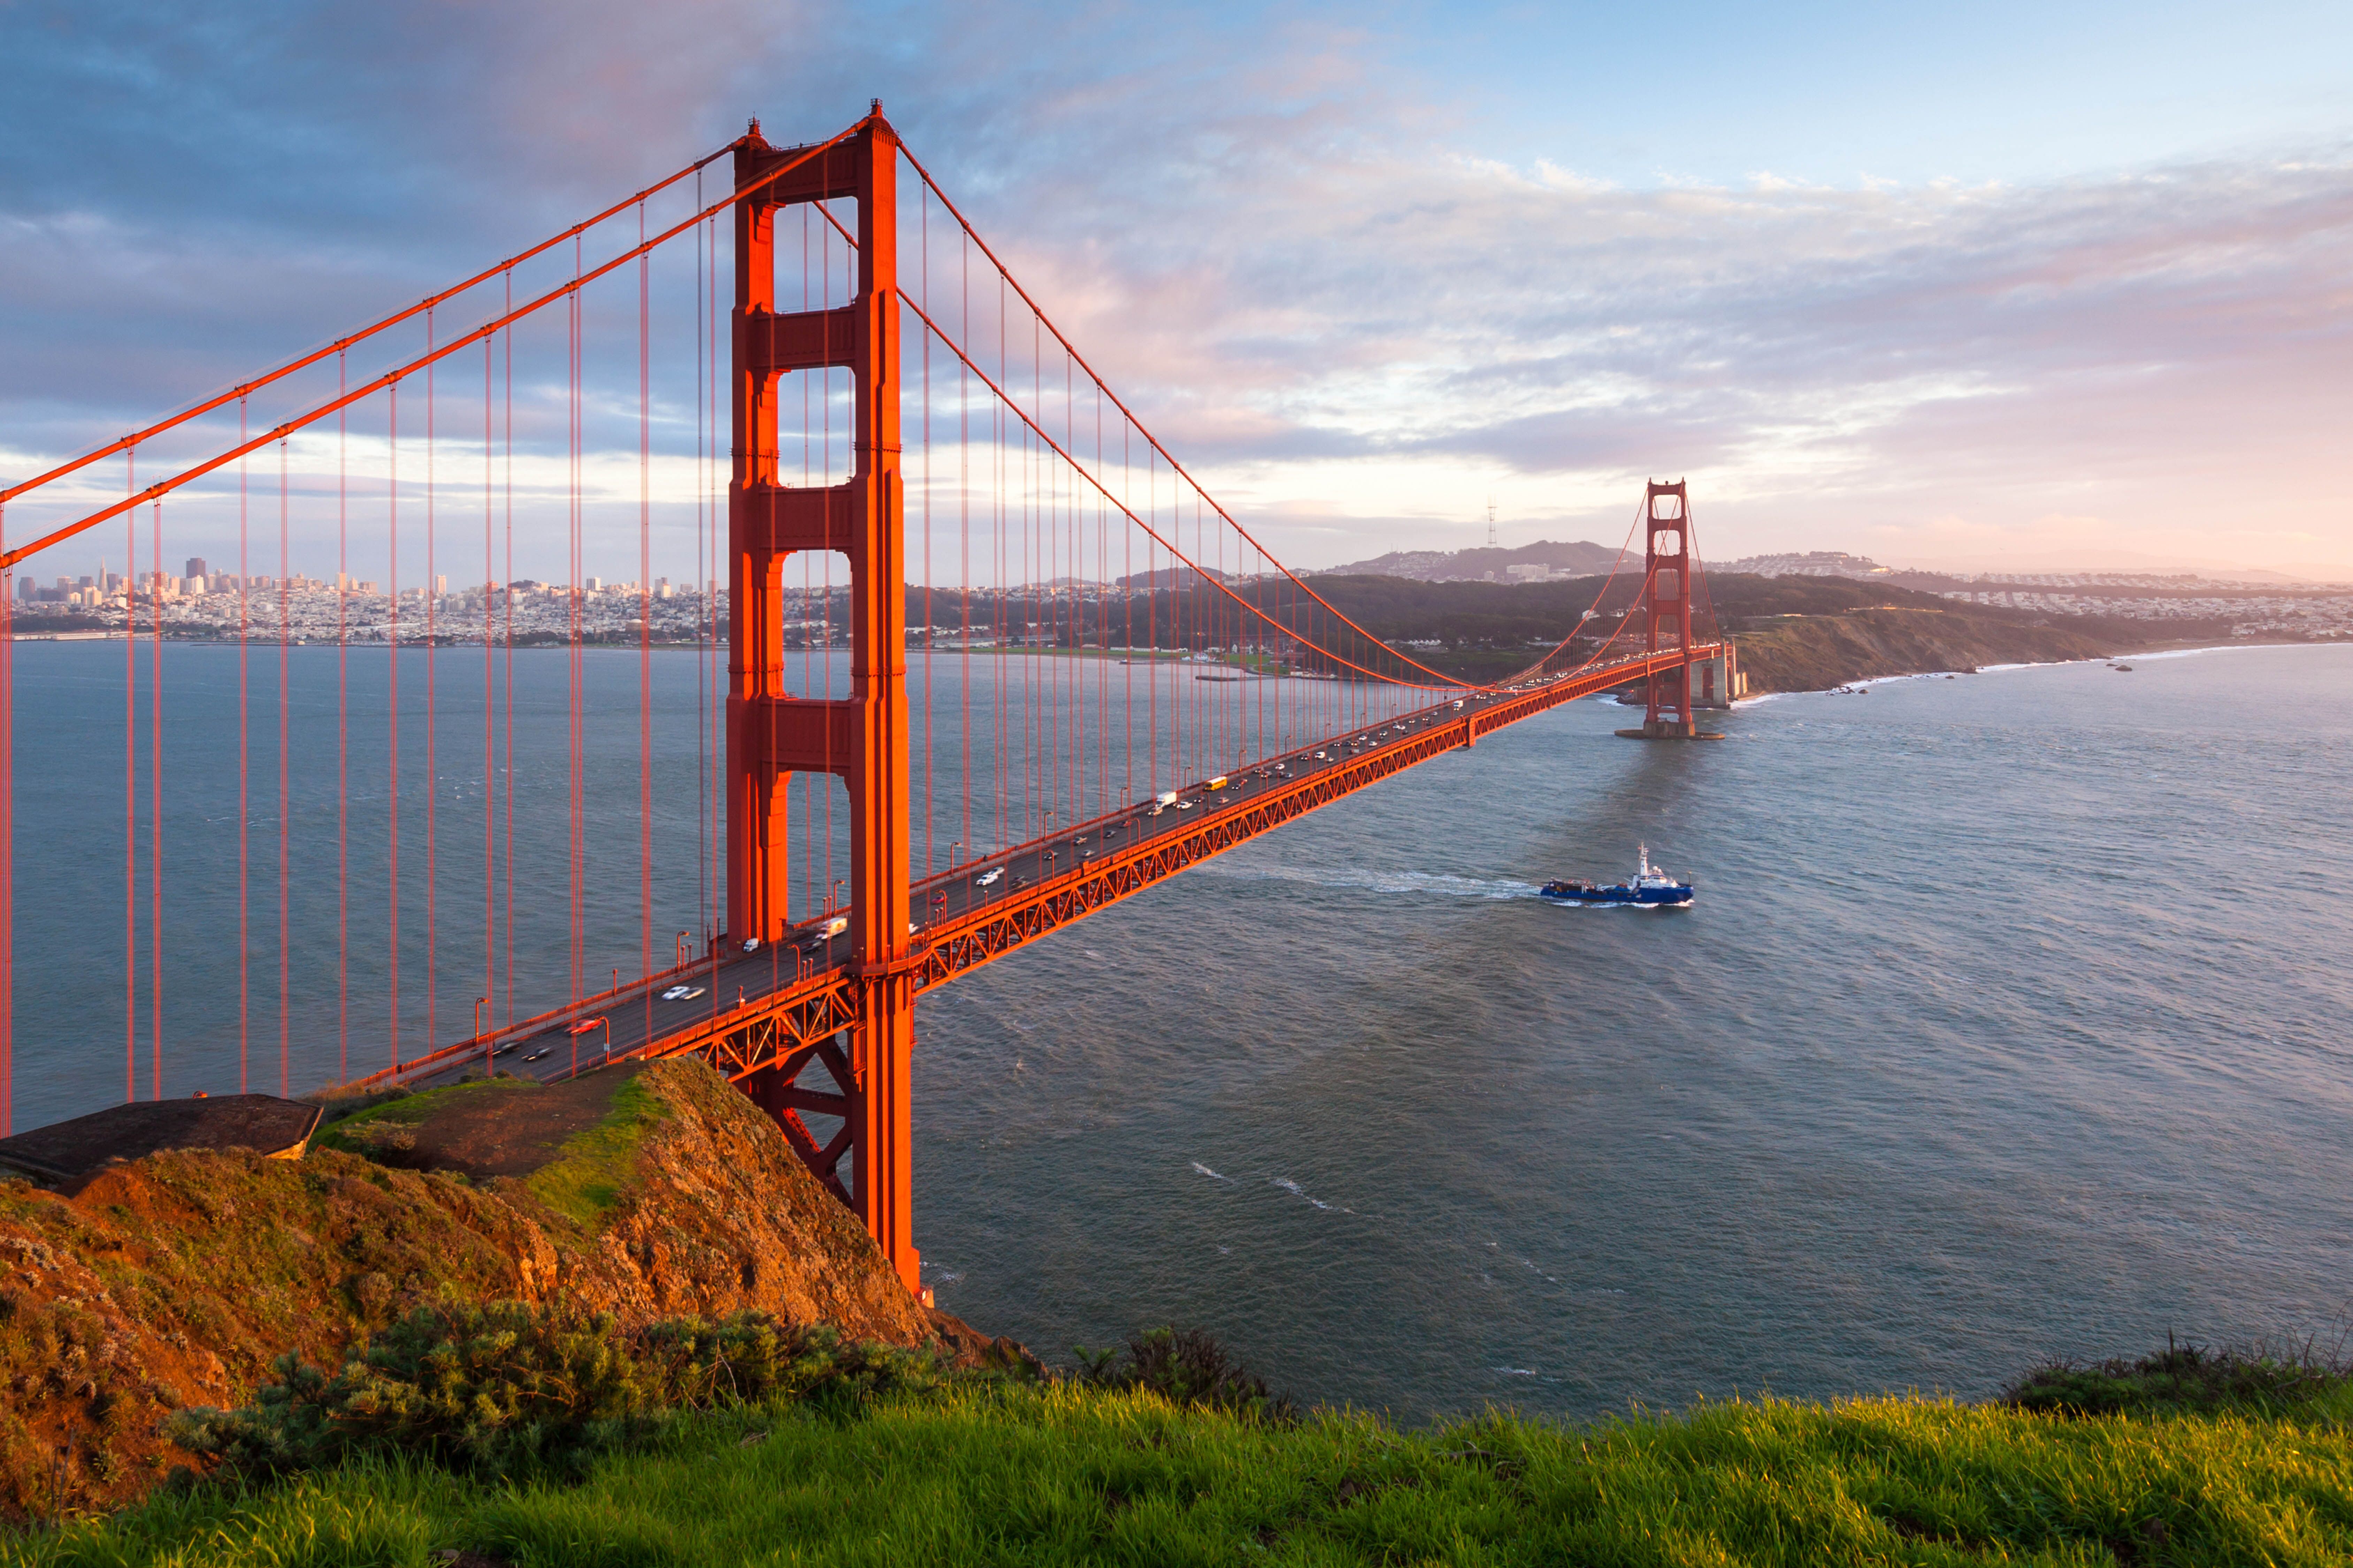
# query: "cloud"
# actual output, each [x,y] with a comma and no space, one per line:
[1271,241]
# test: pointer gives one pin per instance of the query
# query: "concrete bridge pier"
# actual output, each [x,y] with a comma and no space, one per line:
[1712,683]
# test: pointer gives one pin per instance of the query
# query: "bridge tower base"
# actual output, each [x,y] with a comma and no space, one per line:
[1665,609]
[862,740]
[1670,732]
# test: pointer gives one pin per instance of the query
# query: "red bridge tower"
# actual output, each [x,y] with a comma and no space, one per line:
[771,734]
[1666,614]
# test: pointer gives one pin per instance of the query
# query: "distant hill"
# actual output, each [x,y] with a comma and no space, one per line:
[1813,563]
[1175,577]
[1797,631]
[1479,565]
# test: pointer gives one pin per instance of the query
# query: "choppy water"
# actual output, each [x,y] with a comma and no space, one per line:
[2013,1020]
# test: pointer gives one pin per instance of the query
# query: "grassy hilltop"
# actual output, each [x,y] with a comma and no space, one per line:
[648,1193]
[2226,1465]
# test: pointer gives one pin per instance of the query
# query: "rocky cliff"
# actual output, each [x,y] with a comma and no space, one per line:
[647,1191]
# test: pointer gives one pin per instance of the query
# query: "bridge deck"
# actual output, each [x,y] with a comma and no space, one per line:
[750,1011]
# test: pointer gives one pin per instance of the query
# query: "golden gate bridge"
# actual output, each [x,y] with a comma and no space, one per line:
[1115,679]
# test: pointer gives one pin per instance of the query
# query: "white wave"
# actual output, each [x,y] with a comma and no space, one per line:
[2187,652]
[1209,1172]
[1517,1370]
[1302,1192]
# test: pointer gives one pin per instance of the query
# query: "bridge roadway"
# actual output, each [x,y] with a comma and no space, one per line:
[747,1011]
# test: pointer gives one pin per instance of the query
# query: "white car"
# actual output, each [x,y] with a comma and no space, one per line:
[682,993]
[988,879]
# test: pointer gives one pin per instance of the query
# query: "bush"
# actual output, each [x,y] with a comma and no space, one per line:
[509,1388]
[2181,1378]
[1187,1367]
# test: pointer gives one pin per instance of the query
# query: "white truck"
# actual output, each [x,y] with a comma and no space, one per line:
[1162,802]
[816,936]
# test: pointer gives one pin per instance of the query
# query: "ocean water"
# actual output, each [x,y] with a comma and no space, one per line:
[2012,1021]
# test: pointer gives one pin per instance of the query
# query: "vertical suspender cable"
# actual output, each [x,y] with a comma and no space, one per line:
[489,726]
[7,843]
[243,753]
[392,718]
[432,592]
[343,734]
[825,460]
[645,620]
[573,627]
[963,556]
[1103,628]
[506,600]
[930,641]
[1127,622]
[1151,643]
[708,567]
[131,784]
[285,809]
[702,649]
[155,816]
[1009,619]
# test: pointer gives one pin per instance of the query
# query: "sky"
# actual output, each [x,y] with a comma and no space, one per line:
[2004,285]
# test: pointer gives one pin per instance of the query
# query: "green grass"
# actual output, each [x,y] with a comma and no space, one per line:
[589,1172]
[989,1472]
[350,1131]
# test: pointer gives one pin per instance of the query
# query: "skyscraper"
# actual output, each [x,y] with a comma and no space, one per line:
[196,567]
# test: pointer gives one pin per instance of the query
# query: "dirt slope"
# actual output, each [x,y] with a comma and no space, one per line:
[651,1192]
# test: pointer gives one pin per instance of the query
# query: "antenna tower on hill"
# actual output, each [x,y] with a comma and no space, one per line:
[1490,523]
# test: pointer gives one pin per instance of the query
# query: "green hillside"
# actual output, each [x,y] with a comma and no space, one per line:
[2176,1460]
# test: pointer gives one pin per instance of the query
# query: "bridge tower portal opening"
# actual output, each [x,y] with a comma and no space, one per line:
[863,739]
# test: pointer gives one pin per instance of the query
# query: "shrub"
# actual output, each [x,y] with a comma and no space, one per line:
[509,1388]
[1185,1366]
[2181,1378]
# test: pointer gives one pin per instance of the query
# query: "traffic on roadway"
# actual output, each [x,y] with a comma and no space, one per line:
[616,1026]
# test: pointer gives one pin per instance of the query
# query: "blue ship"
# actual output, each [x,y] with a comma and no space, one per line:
[1651,888]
